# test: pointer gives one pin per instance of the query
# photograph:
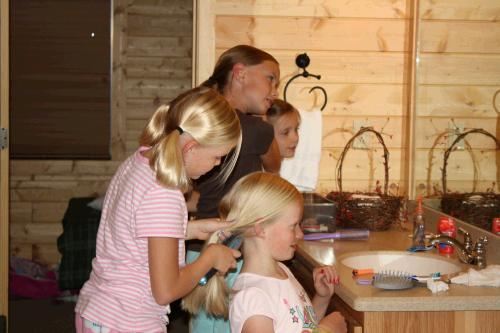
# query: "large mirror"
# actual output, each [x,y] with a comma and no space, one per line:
[365,54]
[457,89]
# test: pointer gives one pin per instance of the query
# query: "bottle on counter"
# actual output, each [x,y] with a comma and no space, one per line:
[495,226]
[419,225]
[446,226]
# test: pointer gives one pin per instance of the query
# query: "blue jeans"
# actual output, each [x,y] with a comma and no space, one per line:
[203,322]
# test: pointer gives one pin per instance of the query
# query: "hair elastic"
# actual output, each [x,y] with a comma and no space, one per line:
[221,235]
[178,128]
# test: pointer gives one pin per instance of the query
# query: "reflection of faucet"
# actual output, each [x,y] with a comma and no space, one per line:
[467,252]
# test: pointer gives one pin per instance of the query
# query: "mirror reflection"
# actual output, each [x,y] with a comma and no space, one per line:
[458,87]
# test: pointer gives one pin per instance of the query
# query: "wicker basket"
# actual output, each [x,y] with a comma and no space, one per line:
[477,208]
[375,211]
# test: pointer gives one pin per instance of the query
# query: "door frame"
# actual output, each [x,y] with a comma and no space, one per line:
[203,40]
[4,166]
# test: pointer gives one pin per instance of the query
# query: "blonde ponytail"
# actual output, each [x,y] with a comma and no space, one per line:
[203,114]
[212,297]
[155,129]
[167,153]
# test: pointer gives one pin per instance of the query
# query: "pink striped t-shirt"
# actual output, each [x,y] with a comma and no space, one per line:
[118,293]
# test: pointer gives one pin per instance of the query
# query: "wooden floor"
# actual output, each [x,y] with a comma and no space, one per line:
[46,316]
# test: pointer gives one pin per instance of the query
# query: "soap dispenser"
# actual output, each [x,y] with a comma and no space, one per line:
[419,225]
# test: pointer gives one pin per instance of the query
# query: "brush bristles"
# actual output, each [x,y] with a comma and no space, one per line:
[393,280]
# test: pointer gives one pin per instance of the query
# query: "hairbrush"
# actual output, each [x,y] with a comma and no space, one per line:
[391,280]
[234,242]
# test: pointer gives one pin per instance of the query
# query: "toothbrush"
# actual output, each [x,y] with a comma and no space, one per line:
[366,271]
[417,248]
[424,278]
[418,278]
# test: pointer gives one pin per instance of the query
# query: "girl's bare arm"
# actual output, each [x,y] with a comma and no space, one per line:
[258,324]
[168,281]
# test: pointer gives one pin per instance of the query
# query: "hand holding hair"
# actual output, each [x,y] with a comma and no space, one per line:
[223,257]
[202,229]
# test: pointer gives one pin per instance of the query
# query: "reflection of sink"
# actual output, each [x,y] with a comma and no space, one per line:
[413,263]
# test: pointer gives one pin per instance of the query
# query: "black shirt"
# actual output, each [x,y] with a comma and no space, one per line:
[257,136]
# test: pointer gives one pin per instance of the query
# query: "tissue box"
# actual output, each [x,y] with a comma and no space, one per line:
[319,213]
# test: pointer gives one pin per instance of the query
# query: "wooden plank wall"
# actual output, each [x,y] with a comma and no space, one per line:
[151,65]
[158,59]
[4,163]
[458,75]
[360,48]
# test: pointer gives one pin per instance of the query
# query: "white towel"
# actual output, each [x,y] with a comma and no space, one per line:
[488,277]
[436,286]
[302,170]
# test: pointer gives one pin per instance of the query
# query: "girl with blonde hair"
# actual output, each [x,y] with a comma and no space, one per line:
[139,266]
[266,211]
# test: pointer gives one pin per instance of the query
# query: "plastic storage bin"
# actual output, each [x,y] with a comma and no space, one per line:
[319,213]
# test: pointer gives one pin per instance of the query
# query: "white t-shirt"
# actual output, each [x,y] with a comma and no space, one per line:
[283,301]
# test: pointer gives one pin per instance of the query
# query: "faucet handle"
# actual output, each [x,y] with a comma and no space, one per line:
[467,239]
[480,251]
[480,245]
[482,241]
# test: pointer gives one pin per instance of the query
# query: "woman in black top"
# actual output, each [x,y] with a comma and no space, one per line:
[248,78]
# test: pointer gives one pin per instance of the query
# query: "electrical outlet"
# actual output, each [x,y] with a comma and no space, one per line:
[455,129]
[363,141]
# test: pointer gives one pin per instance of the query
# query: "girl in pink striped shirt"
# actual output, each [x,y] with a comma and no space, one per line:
[139,266]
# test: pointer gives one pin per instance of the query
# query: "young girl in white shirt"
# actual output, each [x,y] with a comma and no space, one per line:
[266,211]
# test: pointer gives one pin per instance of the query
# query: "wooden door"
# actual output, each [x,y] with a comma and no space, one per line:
[4,164]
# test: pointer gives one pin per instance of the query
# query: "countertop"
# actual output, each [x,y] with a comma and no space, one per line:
[369,298]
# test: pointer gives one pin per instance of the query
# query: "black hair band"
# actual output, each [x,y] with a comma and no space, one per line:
[178,128]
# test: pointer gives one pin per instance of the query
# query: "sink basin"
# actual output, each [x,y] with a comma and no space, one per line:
[413,263]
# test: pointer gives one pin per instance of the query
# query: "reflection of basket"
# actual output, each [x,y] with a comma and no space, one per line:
[375,211]
[478,208]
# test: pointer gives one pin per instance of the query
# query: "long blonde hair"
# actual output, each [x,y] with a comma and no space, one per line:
[243,54]
[202,113]
[258,197]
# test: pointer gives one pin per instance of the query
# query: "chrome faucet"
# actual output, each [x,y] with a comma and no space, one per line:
[469,253]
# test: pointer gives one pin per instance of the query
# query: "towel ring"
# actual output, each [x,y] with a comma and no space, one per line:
[302,61]
[324,95]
